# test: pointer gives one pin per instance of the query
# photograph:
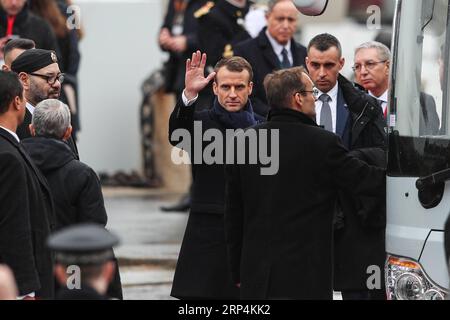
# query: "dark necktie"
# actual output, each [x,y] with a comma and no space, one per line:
[325,113]
[381,103]
[285,63]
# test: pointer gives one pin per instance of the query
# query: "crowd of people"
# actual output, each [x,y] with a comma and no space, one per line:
[52,209]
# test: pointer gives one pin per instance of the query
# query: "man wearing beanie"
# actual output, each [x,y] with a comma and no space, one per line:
[41,78]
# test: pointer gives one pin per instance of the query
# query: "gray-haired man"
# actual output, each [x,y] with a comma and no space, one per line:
[372,60]
[75,186]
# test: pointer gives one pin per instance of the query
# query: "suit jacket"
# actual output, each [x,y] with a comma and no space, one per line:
[280,245]
[343,120]
[23,132]
[26,219]
[429,120]
[259,53]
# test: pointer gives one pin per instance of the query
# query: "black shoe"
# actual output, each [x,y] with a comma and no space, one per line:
[182,206]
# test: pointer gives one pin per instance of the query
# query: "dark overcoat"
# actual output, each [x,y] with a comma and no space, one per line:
[202,270]
[279,227]
[360,228]
[26,219]
[76,189]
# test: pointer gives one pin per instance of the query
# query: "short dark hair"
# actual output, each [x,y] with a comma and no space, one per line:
[325,41]
[235,64]
[10,88]
[21,43]
[282,84]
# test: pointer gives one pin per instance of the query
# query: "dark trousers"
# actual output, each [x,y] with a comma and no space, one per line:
[364,295]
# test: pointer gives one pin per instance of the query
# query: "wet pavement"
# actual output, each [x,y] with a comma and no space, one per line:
[150,240]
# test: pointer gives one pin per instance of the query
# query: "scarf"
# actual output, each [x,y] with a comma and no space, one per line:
[234,120]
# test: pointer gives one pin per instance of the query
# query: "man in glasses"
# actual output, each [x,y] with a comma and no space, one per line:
[372,60]
[358,119]
[41,78]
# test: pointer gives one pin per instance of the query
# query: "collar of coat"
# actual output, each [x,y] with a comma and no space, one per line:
[357,100]
[290,115]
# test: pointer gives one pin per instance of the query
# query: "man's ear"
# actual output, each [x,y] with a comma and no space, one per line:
[342,63]
[61,275]
[5,68]
[307,63]
[17,102]
[32,130]
[250,86]
[215,88]
[67,133]
[109,269]
[25,79]
[297,101]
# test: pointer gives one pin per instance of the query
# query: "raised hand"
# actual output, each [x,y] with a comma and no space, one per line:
[195,79]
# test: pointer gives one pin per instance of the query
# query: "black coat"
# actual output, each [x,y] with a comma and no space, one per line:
[202,270]
[75,186]
[279,228]
[208,190]
[30,26]
[26,219]
[259,53]
[361,220]
[220,29]
[175,67]
[76,189]
[23,132]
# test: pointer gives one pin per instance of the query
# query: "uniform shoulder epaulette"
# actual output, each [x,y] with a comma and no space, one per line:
[204,10]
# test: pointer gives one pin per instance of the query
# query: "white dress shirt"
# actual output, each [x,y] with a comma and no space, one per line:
[383,98]
[30,107]
[12,133]
[333,93]
[187,102]
[278,48]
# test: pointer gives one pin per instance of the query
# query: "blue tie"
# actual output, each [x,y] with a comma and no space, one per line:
[285,63]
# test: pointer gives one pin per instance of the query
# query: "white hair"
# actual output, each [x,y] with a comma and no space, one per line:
[383,51]
[51,118]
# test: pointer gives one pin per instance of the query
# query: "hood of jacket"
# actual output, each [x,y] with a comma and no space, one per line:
[47,153]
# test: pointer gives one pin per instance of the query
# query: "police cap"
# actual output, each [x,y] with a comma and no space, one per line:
[83,244]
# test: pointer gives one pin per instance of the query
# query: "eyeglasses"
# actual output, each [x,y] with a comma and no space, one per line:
[50,79]
[315,92]
[368,65]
